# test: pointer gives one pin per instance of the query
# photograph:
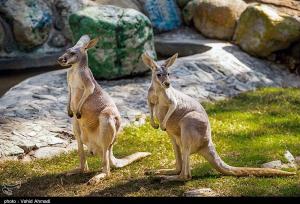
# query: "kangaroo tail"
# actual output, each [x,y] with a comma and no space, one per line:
[214,159]
[119,163]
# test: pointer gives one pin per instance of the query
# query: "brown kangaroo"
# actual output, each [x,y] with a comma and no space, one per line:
[187,124]
[97,120]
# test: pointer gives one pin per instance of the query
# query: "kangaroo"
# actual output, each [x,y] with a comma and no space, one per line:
[97,119]
[187,124]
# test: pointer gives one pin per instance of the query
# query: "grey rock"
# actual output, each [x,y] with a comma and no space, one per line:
[48,152]
[273,164]
[201,192]
[288,155]
[47,97]
[58,40]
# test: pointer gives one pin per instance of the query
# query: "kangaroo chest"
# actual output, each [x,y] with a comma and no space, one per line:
[76,87]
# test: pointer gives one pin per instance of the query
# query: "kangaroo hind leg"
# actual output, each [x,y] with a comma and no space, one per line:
[83,163]
[107,132]
[178,158]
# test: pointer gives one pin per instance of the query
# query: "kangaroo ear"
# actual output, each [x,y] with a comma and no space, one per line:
[92,43]
[169,62]
[148,61]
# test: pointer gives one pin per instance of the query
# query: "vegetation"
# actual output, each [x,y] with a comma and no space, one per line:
[248,130]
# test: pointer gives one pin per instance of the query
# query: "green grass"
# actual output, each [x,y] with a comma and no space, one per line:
[248,130]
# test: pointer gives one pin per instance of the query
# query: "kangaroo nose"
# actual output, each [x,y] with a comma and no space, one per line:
[62,59]
[167,84]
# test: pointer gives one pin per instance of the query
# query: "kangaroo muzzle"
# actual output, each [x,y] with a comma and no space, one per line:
[166,84]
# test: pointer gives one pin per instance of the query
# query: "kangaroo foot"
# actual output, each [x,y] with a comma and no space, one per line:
[178,178]
[162,172]
[76,171]
[154,125]
[96,179]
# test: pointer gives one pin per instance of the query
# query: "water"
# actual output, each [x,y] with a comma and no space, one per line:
[10,78]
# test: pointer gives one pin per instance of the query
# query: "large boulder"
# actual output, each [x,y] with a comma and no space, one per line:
[262,30]
[31,21]
[214,18]
[124,34]
[165,15]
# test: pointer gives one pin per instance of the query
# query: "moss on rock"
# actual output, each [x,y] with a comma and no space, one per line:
[262,30]
[124,34]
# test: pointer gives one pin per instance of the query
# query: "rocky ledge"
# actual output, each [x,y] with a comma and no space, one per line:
[33,119]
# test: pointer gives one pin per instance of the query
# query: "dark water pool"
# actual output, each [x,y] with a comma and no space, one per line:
[12,77]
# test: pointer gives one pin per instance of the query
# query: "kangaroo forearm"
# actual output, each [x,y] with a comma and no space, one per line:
[82,100]
[151,106]
[171,110]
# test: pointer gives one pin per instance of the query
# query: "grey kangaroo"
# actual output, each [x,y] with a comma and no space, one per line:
[97,119]
[187,124]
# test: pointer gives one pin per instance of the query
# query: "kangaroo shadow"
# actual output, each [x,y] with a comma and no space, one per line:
[136,185]
[40,185]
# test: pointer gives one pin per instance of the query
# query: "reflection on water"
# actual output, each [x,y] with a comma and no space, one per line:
[12,77]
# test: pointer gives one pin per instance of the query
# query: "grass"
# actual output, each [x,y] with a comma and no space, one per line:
[248,130]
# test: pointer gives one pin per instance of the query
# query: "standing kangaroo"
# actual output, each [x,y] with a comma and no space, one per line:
[97,118]
[186,122]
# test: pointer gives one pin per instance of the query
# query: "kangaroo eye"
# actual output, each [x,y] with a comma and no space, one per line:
[159,75]
[168,74]
[72,53]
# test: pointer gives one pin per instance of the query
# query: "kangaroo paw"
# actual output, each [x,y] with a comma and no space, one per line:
[76,171]
[70,113]
[162,172]
[178,178]
[154,125]
[96,179]
[78,115]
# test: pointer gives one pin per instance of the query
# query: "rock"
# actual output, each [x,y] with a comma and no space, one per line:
[72,146]
[64,9]
[31,21]
[124,35]
[261,30]
[164,14]
[134,4]
[44,97]
[289,156]
[273,164]
[289,166]
[58,40]
[48,152]
[289,7]
[26,159]
[214,18]
[201,192]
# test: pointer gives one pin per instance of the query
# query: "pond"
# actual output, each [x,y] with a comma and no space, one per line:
[10,78]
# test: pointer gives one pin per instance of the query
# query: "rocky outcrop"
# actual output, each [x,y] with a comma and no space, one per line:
[214,18]
[261,30]
[124,35]
[31,21]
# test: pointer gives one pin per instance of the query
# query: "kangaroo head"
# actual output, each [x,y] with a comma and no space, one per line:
[160,73]
[76,53]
